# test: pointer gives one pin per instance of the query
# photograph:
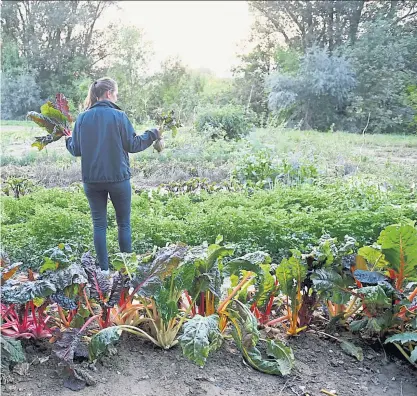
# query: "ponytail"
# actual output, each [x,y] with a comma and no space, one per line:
[98,89]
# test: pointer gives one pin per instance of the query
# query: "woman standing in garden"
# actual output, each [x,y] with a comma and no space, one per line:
[103,136]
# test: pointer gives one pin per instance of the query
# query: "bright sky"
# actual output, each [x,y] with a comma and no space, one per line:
[202,33]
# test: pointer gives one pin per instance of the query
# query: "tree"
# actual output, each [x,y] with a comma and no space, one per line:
[328,23]
[318,94]
[383,59]
[127,65]
[176,87]
[304,23]
[58,40]
[255,65]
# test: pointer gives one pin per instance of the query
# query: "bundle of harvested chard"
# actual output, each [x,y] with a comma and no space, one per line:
[167,121]
[54,118]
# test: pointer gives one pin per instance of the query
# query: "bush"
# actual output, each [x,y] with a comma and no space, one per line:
[259,170]
[382,59]
[228,122]
[316,96]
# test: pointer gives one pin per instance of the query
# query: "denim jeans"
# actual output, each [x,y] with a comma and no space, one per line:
[121,197]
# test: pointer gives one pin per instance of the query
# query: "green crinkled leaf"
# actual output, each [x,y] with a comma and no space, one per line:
[215,253]
[358,325]
[403,338]
[330,284]
[219,239]
[15,292]
[398,243]
[100,341]
[374,257]
[74,274]
[57,257]
[375,295]
[40,143]
[166,304]
[369,277]
[290,273]
[184,276]
[265,286]
[284,355]
[126,263]
[11,353]
[170,291]
[206,260]
[248,262]
[79,319]
[42,120]
[48,265]
[352,350]
[201,336]
[326,251]
[149,275]
[246,335]
[373,325]
[48,110]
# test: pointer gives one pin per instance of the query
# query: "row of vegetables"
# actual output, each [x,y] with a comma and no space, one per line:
[197,296]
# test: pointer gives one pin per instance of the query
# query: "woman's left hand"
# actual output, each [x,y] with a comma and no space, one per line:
[158,133]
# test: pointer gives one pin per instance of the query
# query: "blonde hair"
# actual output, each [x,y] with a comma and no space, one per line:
[97,89]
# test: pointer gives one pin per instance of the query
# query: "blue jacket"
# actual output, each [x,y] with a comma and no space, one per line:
[103,136]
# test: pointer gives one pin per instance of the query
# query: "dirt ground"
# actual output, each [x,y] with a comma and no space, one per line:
[139,369]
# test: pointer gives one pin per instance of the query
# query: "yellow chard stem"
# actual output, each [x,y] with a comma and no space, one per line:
[226,302]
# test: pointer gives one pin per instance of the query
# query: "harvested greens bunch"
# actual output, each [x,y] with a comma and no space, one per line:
[54,118]
[167,121]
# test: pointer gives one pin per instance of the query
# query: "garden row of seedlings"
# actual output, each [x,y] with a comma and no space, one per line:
[195,295]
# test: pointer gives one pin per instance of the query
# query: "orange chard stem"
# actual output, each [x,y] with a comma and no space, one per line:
[331,308]
[87,302]
[412,295]
[278,320]
[62,317]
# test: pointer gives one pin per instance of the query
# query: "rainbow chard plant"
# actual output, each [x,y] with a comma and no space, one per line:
[54,118]
[207,260]
[202,335]
[291,274]
[23,307]
[266,287]
[390,266]
[157,282]
[30,300]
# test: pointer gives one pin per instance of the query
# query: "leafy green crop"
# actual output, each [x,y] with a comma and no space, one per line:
[54,118]
[11,353]
[201,336]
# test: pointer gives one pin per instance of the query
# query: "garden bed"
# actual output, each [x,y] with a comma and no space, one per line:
[139,369]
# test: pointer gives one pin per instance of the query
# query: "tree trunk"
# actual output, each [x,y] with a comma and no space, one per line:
[355,20]
[330,34]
